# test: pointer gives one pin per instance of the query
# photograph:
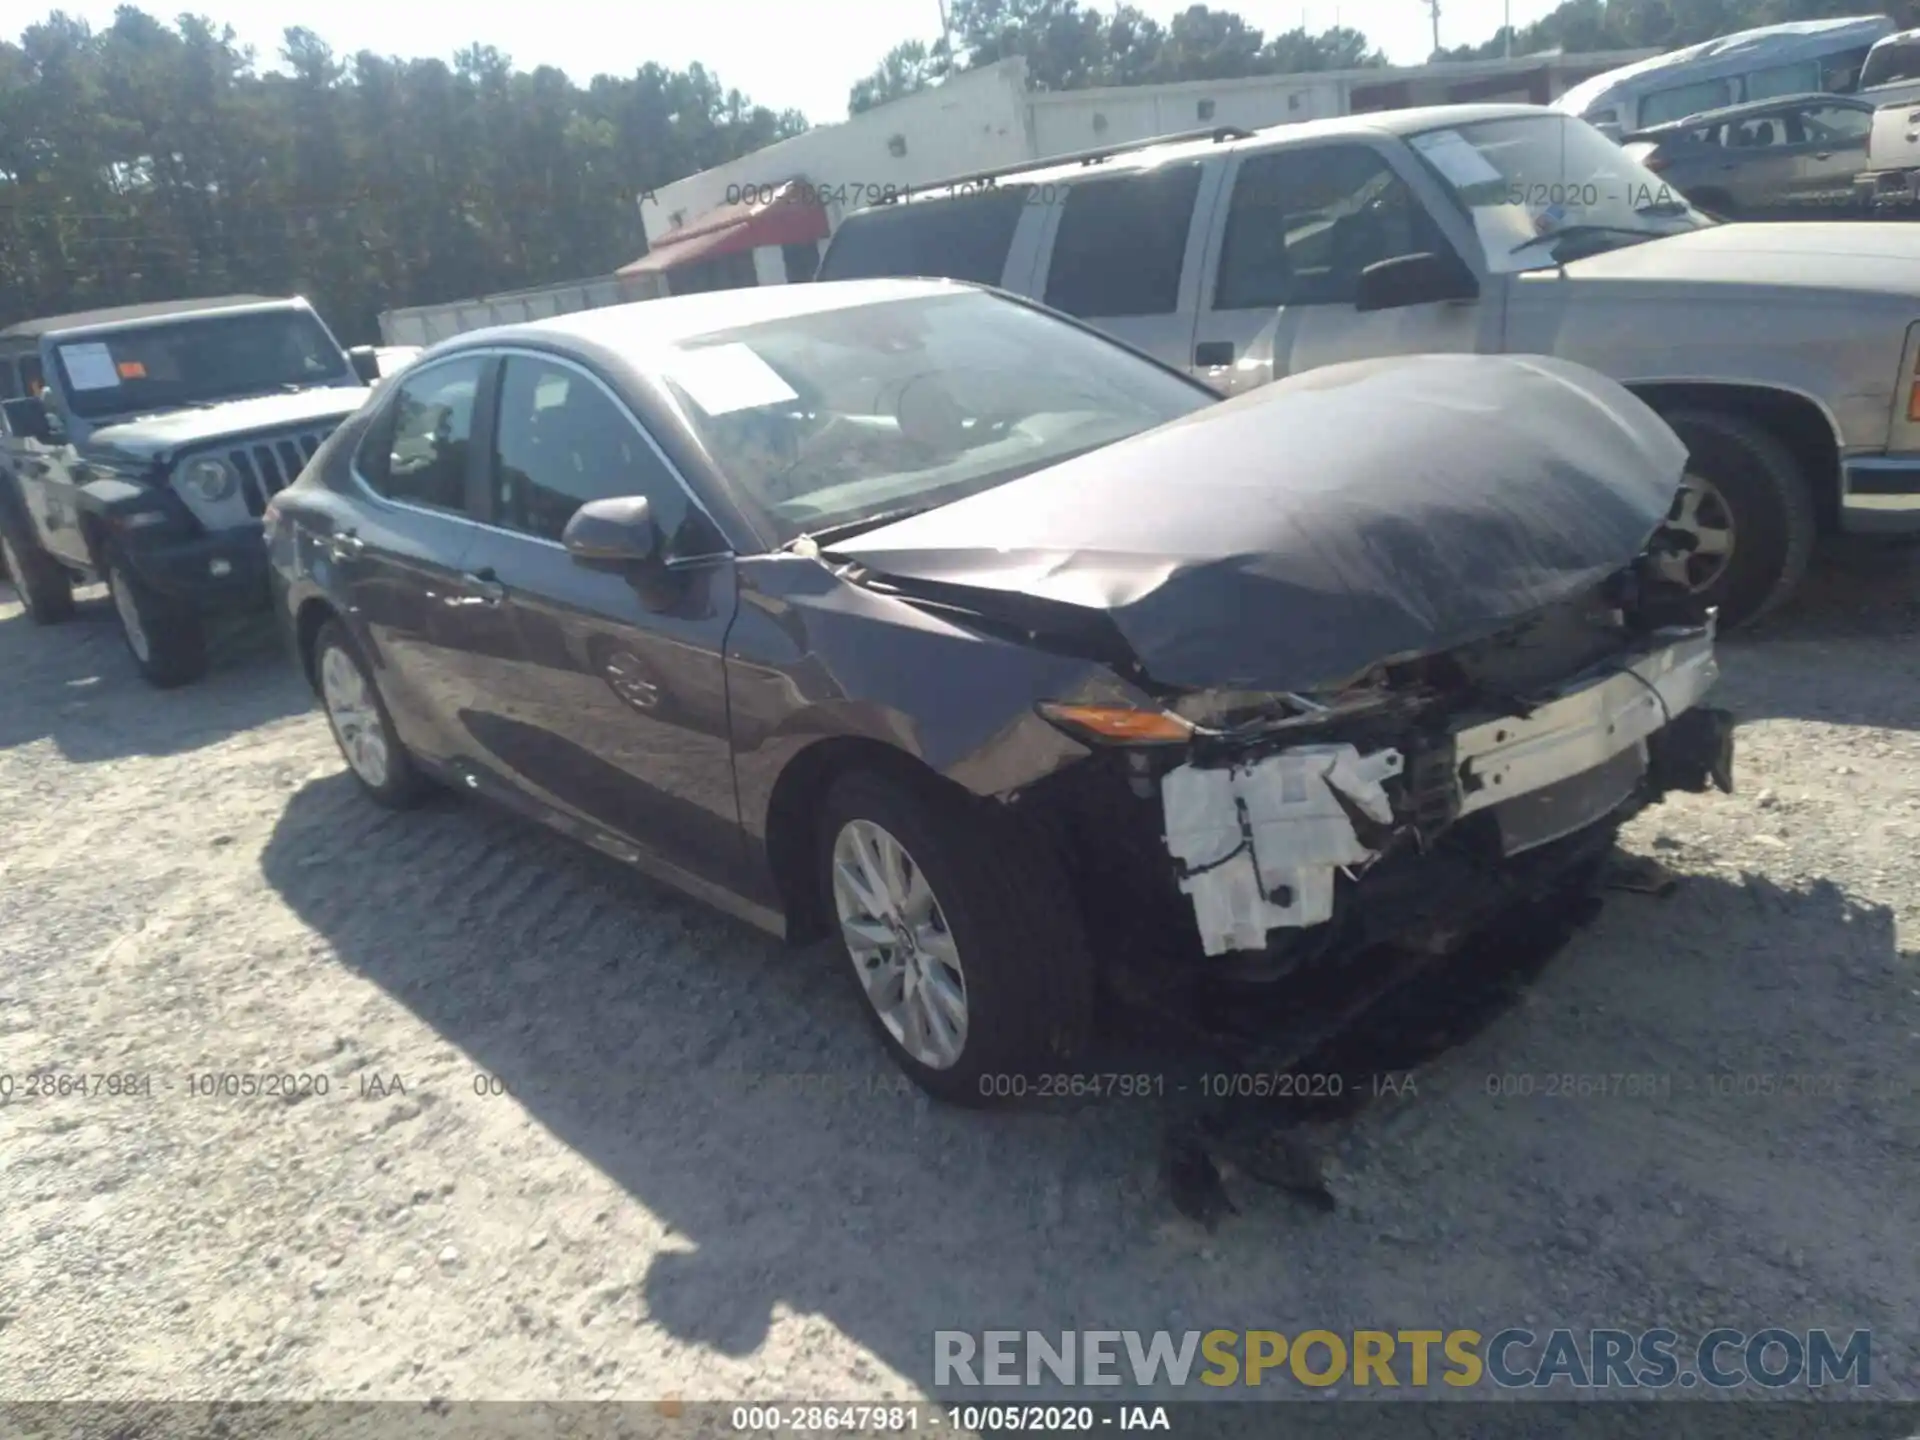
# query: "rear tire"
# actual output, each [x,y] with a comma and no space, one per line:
[361,724]
[167,642]
[42,583]
[1000,907]
[1769,501]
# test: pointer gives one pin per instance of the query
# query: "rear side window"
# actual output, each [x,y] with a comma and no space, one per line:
[1121,245]
[31,382]
[1684,100]
[1890,62]
[418,452]
[965,237]
[9,380]
[1784,80]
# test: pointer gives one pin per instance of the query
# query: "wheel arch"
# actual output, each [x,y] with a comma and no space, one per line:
[314,612]
[795,804]
[1800,422]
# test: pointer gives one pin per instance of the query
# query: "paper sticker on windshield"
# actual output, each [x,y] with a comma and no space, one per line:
[90,367]
[1453,156]
[132,370]
[725,378]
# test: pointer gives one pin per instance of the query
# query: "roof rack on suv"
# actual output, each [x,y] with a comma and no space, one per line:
[1215,133]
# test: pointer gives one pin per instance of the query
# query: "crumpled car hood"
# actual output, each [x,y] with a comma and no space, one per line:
[1290,537]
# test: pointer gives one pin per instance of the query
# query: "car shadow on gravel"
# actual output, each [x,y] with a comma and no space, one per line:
[1859,607]
[729,1086]
[75,684]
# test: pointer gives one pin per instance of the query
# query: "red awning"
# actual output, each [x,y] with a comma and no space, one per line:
[785,214]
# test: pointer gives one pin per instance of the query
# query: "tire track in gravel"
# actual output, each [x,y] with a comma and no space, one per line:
[658,1207]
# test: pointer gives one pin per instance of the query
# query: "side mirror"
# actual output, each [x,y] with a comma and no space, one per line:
[620,531]
[1423,279]
[366,363]
[30,419]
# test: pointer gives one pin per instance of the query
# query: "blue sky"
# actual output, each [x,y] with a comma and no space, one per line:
[783,54]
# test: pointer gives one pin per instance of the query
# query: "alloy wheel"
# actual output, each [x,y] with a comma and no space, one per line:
[15,576]
[902,948]
[130,623]
[1702,512]
[355,717]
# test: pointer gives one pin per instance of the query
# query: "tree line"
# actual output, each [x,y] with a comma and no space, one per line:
[147,161]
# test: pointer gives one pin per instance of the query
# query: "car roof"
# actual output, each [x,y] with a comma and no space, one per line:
[133,314]
[1749,107]
[642,325]
[1127,161]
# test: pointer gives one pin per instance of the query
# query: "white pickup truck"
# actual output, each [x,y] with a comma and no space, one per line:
[1890,78]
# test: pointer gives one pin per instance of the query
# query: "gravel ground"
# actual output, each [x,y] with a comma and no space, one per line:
[703,1180]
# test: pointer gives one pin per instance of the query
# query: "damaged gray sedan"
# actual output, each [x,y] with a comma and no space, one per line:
[915,615]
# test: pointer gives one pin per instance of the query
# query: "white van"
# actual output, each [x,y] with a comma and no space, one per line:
[1805,57]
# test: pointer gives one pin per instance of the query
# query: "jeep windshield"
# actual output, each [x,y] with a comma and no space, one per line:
[1538,187]
[196,361]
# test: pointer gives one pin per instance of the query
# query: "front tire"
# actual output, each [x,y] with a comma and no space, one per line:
[167,642]
[960,934]
[42,583]
[361,724]
[1748,500]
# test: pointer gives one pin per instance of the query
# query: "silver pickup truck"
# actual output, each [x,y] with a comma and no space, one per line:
[1784,355]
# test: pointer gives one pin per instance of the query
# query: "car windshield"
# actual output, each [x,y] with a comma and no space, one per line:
[841,416]
[197,361]
[1532,180]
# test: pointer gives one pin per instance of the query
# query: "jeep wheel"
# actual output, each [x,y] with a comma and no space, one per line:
[166,642]
[42,583]
[1747,506]
[362,728]
[961,936]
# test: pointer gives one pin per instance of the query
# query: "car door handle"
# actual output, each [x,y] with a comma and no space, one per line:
[485,586]
[1823,154]
[1213,352]
[345,545]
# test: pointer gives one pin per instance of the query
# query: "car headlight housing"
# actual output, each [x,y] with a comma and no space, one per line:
[209,478]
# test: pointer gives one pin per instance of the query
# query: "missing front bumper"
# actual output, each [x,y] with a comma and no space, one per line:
[1261,844]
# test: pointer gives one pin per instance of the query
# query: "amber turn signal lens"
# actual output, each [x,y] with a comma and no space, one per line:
[1120,723]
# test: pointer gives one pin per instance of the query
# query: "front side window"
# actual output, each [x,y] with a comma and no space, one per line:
[960,237]
[1835,124]
[418,451]
[193,361]
[562,441]
[823,420]
[1532,181]
[1304,223]
[1122,243]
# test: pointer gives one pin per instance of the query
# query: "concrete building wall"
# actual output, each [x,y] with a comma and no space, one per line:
[1070,120]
